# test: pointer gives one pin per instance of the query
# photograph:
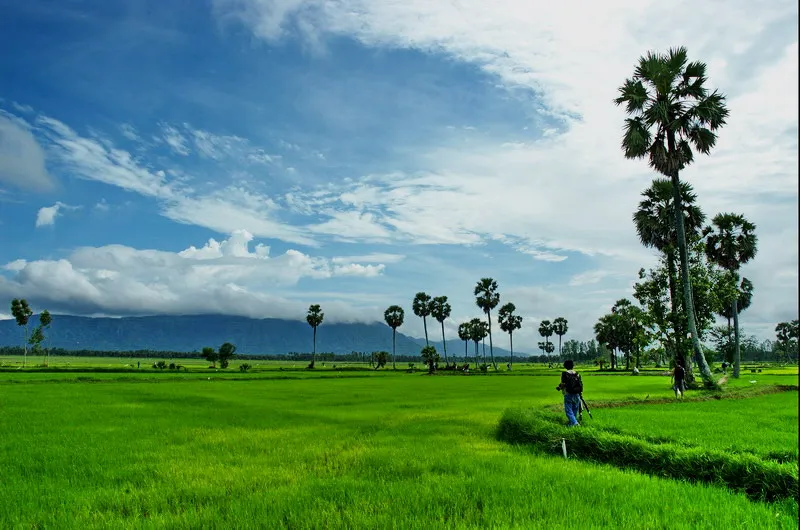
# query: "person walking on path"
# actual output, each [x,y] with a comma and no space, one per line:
[571,386]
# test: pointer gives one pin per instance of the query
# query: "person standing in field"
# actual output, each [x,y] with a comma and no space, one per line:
[678,380]
[571,386]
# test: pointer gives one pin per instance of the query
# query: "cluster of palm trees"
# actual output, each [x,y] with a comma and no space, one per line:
[671,115]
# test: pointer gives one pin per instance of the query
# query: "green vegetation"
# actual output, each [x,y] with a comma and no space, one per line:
[363,449]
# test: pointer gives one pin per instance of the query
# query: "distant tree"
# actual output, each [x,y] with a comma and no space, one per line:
[542,346]
[226,352]
[465,335]
[787,335]
[210,355]
[487,298]
[731,243]
[394,317]
[546,331]
[45,320]
[22,313]
[440,310]
[671,111]
[35,340]
[430,357]
[560,328]
[509,323]
[314,319]
[380,358]
[422,308]
[477,332]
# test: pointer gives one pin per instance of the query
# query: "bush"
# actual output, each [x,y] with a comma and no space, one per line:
[244,367]
[759,479]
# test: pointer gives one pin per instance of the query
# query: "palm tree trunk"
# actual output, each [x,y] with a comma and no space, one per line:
[425,325]
[491,350]
[444,345]
[737,354]
[314,351]
[466,351]
[559,346]
[511,340]
[729,338]
[394,335]
[672,275]
[705,371]
[25,357]
[476,354]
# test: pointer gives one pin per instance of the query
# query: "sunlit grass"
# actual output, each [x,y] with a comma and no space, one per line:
[390,450]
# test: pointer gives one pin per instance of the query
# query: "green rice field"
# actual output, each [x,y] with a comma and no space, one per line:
[282,447]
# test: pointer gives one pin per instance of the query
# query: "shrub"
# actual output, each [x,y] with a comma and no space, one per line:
[244,367]
[759,479]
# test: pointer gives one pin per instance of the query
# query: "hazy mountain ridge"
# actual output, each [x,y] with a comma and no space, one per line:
[189,333]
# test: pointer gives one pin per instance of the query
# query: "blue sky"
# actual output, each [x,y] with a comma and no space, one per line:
[255,156]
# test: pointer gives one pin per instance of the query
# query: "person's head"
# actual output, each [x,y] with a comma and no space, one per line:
[568,364]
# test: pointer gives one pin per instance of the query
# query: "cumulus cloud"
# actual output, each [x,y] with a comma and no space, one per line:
[47,215]
[224,276]
[22,159]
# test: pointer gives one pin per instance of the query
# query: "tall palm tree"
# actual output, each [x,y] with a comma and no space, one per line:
[671,112]
[422,308]
[314,319]
[546,331]
[394,317]
[655,225]
[509,322]
[487,298]
[477,332]
[730,244]
[560,328]
[464,334]
[440,310]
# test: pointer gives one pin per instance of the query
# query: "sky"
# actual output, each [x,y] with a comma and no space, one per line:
[253,157]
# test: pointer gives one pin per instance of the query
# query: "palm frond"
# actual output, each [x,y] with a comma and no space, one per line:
[636,139]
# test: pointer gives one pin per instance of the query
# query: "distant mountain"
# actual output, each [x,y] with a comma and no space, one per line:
[187,333]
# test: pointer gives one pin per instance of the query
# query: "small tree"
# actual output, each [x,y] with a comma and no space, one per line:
[560,328]
[430,357]
[210,355]
[35,340]
[464,334]
[314,319]
[45,319]
[380,358]
[546,331]
[226,352]
[509,322]
[22,313]
[394,317]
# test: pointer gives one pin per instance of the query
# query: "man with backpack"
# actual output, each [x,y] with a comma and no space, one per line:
[572,387]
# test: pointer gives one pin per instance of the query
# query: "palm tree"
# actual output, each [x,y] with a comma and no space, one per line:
[730,246]
[422,308]
[22,313]
[314,319]
[487,298]
[546,331]
[440,310]
[465,335]
[477,332]
[655,225]
[744,297]
[671,112]
[394,317]
[509,322]
[560,328]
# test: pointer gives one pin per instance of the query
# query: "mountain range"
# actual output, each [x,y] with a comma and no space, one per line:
[190,333]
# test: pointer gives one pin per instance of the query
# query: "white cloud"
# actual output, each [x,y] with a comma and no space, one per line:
[220,277]
[22,160]
[47,215]
[177,142]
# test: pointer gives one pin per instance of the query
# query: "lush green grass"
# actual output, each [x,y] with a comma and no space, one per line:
[764,425]
[390,450]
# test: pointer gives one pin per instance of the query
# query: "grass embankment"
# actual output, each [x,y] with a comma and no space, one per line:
[742,443]
[391,451]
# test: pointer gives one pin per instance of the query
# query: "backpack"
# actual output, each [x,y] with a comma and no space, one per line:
[573,383]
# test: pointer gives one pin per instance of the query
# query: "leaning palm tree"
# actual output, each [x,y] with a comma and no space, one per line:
[464,334]
[422,308]
[671,112]
[560,328]
[314,319]
[655,225]
[509,322]
[440,310]
[730,244]
[487,298]
[394,317]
